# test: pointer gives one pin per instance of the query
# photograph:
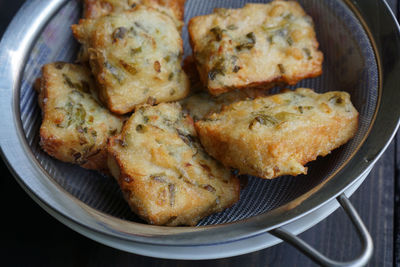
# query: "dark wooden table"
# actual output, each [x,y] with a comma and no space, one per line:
[31,237]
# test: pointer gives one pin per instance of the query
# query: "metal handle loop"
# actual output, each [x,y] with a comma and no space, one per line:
[365,238]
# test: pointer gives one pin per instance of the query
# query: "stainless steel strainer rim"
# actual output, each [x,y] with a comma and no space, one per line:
[15,46]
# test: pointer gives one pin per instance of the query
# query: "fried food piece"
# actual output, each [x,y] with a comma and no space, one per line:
[75,127]
[277,135]
[200,103]
[164,173]
[93,9]
[259,45]
[135,57]
[189,66]
[97,8]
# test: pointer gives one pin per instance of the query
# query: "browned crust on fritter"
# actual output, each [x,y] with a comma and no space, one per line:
[264,84]
[269,152]
[37,85]
[97,8]
[220,147]
[200,103]
[133,191]
[178,6]
[56,141]
[129,187]
[141,82]
[196,85]
[192,201]
[51,144]
[279,80]
[93,9]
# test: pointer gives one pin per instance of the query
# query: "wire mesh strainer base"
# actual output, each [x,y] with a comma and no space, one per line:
[349,65]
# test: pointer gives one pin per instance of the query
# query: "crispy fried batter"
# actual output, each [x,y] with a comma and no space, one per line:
[258,45]
[277,135]
[135,56]
[200,103]
[97,8]
[164,173]
[75,126]
[93,9]
[203,104]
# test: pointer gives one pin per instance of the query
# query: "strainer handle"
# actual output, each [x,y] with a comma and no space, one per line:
[313,254]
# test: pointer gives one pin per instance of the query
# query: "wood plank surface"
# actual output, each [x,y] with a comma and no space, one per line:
[395,6]
[396,218]
[43,241]
[31,237]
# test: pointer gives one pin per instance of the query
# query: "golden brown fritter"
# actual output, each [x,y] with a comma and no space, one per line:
[200,103]
[277,135]
[93,9]
[164,173]
[135,57]
[97,8]
[75,126]
[258,45]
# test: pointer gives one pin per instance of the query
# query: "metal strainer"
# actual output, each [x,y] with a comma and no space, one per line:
[354,38]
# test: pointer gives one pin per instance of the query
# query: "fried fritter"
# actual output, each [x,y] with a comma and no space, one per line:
[97,8]
[75,127]
[135,57]
[164,173]
[93,9]
[277,135]
[200,103]
[259,45]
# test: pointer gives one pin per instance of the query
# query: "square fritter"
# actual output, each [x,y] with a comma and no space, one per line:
[75,127]
[258,45]
[97,8]
[164,173]
[135,57]
[277,135]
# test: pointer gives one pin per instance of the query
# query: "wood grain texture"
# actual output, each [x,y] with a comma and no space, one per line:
[31,237]
[395,6]
[396,234]
[46,242]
